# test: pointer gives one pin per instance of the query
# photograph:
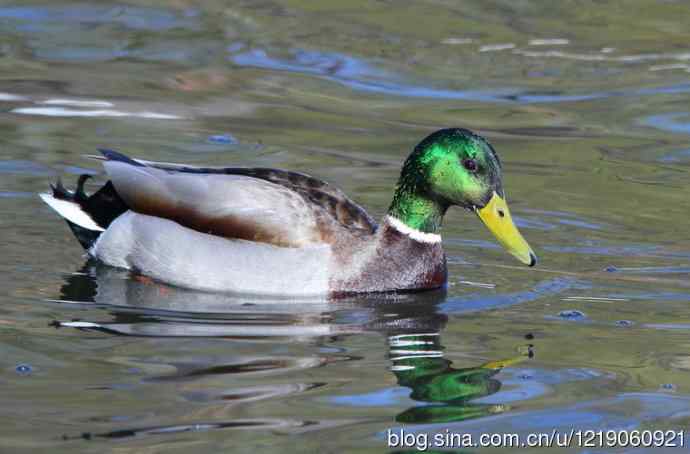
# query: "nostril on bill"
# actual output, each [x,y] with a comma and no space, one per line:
[501,213]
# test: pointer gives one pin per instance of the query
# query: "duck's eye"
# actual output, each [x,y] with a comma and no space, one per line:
[470,164]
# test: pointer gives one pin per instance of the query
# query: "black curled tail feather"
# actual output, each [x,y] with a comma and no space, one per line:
[103,206]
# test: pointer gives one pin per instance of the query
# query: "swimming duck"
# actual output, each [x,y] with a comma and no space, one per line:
[275,232]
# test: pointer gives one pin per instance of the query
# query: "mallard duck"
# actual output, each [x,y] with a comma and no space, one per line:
[275,232]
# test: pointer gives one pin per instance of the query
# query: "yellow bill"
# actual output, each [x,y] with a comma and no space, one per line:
[496,217]
[500,364]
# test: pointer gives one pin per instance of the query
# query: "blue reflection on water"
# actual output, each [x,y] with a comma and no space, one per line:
[359,75]
[380,398]
[676,156]
[669,122]
[137,18]
[479,302]
[626,411]
[73,33]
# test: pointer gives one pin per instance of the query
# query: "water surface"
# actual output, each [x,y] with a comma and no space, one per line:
[587,105]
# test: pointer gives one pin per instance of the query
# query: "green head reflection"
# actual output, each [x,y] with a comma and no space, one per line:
[418,364]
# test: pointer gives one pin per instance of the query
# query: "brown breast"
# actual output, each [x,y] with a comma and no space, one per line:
[389,261]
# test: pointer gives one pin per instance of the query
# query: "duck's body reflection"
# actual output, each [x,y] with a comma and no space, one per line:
[410,322]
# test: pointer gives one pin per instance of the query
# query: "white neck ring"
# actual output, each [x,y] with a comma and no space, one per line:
[415,234]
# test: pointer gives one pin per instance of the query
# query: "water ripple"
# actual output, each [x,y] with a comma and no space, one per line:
[481,302]
[362,76]
[669,122]
[136,18]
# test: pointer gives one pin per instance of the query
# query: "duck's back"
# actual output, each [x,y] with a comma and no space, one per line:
[264,205]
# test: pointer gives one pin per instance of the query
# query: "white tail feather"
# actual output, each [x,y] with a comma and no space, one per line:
[72,212]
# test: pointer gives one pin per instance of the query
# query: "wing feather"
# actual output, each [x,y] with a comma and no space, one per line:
[230,206]
[330,199]
[258,204]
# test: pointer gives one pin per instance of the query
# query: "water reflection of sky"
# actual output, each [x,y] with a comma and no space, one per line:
[625,411]
[359,75]
[669,122]
[41,18]
[481,302]
[676,156]
[356,74]
[675,122]
[362,76]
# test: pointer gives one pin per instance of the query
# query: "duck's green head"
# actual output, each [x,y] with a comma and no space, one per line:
[456,167]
